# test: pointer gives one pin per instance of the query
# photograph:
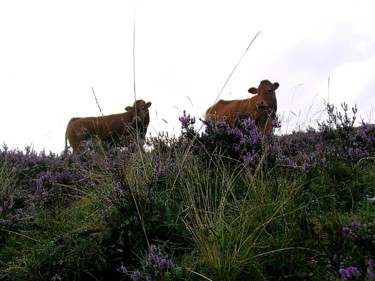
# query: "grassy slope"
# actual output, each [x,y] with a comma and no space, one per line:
[221,205]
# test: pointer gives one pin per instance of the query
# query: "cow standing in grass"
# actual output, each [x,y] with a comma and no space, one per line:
[117,129]
[261,108]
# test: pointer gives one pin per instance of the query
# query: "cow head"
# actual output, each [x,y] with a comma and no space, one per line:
[265,87]
[266,104]
[140,111]
[266,94]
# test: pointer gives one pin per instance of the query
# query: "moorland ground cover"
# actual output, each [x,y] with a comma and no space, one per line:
[228,203]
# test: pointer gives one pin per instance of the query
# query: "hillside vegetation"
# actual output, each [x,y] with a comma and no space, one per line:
[223,204]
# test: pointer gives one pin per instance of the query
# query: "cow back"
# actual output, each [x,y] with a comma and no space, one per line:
[229,110]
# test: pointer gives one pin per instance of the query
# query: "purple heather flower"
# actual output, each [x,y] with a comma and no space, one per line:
[136,276]
[247,158]
[7,222]
[153,249]
[276,123]
[370,269]
[356,224]
[349,272]
[161,263]
[370,273]
[123,269]
[346,230]
[170,264]
[151,257]
[186,120]
[148,278]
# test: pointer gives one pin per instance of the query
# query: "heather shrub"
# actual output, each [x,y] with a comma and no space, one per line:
[15,213]
[359,242]
[140,198]
[157,266]
[43,179]
[69,246]
[227,203]
[349,255]
[346,148]
[331,164]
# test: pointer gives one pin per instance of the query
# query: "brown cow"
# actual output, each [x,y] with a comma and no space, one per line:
[261,108]
[111,128]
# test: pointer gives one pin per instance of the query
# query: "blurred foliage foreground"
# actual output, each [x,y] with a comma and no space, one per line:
[225,204]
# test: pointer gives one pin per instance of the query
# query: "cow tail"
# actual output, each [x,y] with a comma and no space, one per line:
[66,137]
[66,140]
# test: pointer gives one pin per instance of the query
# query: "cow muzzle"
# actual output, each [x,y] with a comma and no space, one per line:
[137,119]
[262,105]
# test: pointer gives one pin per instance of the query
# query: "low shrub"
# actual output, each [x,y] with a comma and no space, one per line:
[228,203]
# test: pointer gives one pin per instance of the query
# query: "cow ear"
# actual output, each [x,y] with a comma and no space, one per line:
[148,104]
[253,90]
[276,85]
[129,108]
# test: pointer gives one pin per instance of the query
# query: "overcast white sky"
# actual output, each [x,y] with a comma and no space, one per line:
[53,52]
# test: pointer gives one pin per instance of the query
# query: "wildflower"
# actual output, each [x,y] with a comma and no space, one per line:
[370,269]
[346,230]
[170,264]
[247,158]
[123,269]
[370,273]
[186,120]
[276,123]
[7,222]
[349,272]
[356,224]
[136,276]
